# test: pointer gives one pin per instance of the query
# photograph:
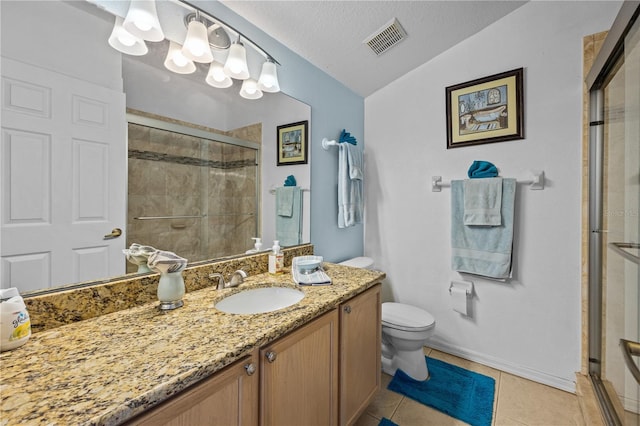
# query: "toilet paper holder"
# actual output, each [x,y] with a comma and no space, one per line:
[467,286]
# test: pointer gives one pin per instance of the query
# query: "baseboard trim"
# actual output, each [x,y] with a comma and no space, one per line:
[564,384]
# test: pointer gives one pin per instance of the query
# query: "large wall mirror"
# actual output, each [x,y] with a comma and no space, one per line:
[94,140]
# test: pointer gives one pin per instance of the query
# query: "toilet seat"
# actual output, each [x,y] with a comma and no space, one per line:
[404,317]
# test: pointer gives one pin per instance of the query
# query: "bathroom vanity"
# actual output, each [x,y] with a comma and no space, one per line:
[316,362]
[323,371]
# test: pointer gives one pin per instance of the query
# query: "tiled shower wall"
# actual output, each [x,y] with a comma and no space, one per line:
[172,174]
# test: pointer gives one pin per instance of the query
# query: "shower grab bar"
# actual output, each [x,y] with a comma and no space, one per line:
[168,217]
[619,248]
[191,217]
[535,183]
[630,349]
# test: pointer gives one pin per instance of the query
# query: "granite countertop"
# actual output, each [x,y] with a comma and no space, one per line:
[108,369]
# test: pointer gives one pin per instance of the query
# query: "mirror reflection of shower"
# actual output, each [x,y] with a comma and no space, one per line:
[191,191]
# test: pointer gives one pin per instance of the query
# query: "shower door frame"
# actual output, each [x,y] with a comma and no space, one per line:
[611,51]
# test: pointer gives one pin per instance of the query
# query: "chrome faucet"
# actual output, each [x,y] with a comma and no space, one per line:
[237,278]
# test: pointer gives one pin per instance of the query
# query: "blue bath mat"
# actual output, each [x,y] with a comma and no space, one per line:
[455,391]
[386,422]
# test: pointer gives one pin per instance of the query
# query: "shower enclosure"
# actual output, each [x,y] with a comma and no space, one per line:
[191,191]
[614,224]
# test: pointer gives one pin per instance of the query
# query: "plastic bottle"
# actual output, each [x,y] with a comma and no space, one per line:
[256,247]
[276,259]
[15,325]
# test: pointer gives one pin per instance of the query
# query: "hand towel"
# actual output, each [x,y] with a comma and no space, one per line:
[289,228]
[284,201]
[350,185]
[290,181]
[482,169]
[482,201]
[482,250]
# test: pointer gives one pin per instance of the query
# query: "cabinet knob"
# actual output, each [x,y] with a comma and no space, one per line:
[250,368]
[347,309]
[271,356]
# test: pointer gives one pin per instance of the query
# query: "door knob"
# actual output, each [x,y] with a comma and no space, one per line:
[115,233]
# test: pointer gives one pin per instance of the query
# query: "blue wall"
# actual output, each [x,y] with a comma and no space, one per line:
[333,108]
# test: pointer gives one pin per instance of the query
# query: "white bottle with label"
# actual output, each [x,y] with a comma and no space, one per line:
[276,259]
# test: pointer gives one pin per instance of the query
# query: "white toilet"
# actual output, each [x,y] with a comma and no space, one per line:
[405,330]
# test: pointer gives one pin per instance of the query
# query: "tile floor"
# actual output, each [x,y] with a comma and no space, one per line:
[517,402]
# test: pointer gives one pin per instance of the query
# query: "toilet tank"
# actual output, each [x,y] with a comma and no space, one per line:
[359,262]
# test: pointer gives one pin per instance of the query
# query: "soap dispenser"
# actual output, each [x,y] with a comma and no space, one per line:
[276,259]
[256,247]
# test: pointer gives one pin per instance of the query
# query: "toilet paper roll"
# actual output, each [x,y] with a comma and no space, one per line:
[459,300]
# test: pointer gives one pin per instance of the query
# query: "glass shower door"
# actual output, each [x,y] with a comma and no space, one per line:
[616,360]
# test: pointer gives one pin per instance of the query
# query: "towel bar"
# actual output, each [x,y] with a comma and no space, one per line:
[273,190]
[535,183]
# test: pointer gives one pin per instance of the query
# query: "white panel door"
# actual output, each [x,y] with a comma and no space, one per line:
[63,171]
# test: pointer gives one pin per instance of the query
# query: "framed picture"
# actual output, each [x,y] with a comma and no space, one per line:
[485,110]
[293,143]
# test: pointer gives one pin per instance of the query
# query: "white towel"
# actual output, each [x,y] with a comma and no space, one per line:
[482,201]
[350,185]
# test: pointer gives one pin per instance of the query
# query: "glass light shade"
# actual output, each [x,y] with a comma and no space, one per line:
[196,44]
[236,64]
[268,81]
[177,62]
[142,20]
[250,89]
[216,76]
[126,42]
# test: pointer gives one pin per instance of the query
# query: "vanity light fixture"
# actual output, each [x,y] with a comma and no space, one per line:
[236,64]
[206,40]
[196,44]
[250,89]
[177,62]
[125,42]
[142,20]
[268,81]
[216,76]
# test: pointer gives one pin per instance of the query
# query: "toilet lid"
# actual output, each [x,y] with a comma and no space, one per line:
[406,317]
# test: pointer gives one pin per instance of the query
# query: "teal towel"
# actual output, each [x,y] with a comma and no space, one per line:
[482,250]
[289,228]
[284,201]
[482,169]
[482,201]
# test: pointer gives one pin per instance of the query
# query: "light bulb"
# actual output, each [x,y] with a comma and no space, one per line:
[142,20]
[196,44]
[268,80]
[236,64]
[250,89]
[121,40]
[216,76]
[176,62]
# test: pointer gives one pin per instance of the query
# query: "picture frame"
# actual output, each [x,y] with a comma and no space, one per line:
[293,143]
[486,110]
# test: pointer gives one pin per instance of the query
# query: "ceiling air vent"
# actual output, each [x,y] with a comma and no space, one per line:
[386,37]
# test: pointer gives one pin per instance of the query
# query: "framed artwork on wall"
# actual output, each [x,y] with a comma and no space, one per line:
[486,110]
[293,143]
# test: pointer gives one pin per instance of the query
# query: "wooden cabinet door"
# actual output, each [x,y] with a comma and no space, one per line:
[360,347]
[229,397]
[299,376]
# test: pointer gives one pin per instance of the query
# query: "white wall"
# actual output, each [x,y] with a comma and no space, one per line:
[531,325]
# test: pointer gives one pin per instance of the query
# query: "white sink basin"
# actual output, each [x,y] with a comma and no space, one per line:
[259,300]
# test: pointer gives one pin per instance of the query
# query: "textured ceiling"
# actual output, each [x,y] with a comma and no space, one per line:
[330,33]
